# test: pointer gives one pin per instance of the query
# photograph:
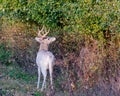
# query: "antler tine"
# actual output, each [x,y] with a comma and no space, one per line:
[39,31]
[43,32]
[46,32]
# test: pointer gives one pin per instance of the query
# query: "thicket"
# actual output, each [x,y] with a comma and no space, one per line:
[87,31]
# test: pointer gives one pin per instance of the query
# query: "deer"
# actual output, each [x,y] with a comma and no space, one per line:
[45,59]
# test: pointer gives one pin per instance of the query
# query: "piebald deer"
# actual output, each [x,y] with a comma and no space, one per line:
[45,59]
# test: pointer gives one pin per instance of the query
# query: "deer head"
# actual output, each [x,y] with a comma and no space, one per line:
[43,39]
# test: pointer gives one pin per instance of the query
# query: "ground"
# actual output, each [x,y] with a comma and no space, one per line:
[15,82]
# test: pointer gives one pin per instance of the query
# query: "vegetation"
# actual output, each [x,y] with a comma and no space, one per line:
[5,55]
[87,48]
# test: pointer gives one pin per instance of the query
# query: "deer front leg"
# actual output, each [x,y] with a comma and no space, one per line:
[39,73]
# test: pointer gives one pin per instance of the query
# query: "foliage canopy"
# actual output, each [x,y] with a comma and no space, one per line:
[83,16]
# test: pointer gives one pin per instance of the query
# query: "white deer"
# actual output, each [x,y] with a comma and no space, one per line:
[45,59]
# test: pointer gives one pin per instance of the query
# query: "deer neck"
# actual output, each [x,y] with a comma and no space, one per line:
[43,47]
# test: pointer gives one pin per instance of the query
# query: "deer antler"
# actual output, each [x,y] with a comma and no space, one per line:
[39,31]
[44,30]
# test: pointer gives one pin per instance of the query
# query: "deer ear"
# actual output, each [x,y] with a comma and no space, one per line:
[53,39]
[38,39]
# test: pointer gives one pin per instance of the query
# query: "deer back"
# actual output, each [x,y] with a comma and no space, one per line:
[45,58]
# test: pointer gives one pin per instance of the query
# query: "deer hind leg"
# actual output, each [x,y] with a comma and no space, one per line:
[51,79]
[44,72]
[39,73]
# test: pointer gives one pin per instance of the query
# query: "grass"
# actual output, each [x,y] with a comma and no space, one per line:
[17,73]
[16,82]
